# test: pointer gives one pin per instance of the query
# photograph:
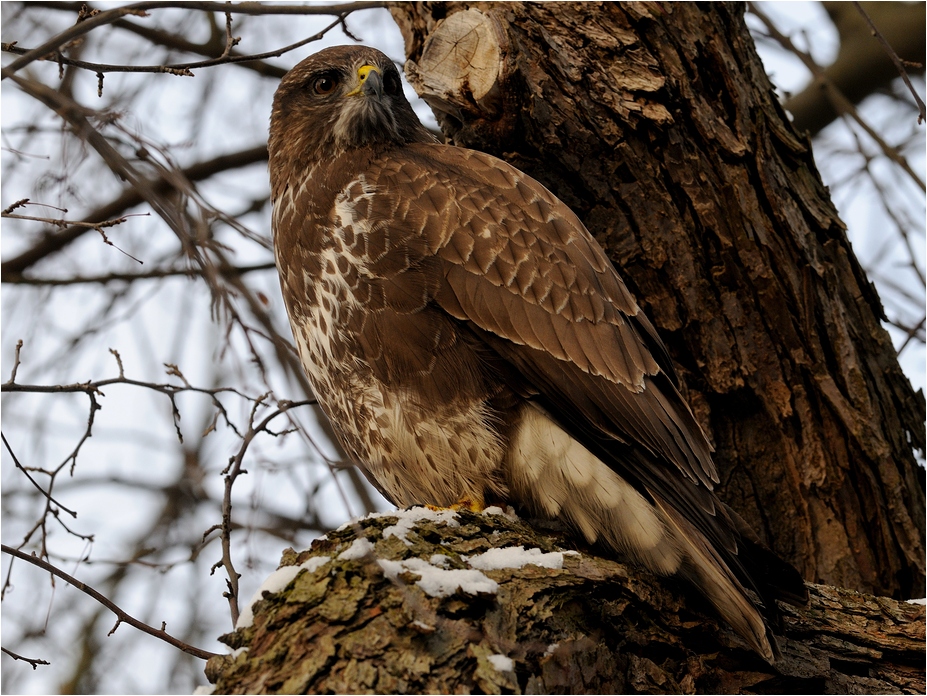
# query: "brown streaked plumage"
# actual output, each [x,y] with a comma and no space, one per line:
[470,340]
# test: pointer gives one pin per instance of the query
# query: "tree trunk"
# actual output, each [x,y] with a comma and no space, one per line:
[657,124]
[368,615]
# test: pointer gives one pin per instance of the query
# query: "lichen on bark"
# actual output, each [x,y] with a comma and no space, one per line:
[592,626]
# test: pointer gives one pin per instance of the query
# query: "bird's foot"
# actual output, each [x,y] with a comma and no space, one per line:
[466,502]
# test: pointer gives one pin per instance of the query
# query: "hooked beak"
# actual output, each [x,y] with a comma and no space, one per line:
[369,83]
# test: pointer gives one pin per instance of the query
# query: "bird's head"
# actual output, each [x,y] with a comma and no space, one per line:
[341,98]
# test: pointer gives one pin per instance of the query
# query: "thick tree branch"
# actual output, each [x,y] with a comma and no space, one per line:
[425,602]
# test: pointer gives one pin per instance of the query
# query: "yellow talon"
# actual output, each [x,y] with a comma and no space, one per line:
[465,503]
[468,504]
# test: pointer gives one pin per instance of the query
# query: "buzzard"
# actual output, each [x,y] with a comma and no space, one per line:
[472,343]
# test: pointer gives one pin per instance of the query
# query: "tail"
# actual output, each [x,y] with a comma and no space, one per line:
[721,577]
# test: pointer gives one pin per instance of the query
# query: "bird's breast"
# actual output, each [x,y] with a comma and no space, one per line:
[427,435]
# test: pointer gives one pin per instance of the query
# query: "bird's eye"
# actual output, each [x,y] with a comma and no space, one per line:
[323,85]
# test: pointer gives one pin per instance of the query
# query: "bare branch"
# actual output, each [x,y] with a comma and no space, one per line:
[121,615]
[35,662]
[153,274]
[98,226]
[76,116]
[19,347]
[895,59]
[840,102]
[140,10]
[53,242]
[35,483]
[232,472]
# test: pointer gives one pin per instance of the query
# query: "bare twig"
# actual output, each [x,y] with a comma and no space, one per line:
[19,347]
[153,274]
[35,483]
[840,102]
[139,9]
[76,116]
[18,204]
[895,59]
[52,242]
[58,222]
[232,472]
[94,388]
[122,616]
[172,41]
[35,662]
[98,226]
[179,69]
[916,331]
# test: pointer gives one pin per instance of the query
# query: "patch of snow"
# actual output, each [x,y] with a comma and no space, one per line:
[407,519]
[205,690]
[440,560]
[509,511]
[314,563]
[238,651]
[551,649]
[422,626]
[515,557]
[371,516]
[502,663]
[918,601]
[275,582]
[357,550]
[439,582]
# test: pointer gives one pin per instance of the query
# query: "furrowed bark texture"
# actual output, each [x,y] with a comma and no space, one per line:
[591,626]
[656,123]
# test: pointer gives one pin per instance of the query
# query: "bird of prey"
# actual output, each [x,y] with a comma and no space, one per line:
[471,343]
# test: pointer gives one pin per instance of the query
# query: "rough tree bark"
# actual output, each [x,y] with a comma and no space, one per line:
[657,124]
[589,626]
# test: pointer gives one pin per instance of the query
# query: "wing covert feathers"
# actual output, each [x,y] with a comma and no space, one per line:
[520,269]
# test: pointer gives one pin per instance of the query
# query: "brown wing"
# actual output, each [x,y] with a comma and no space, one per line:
[503,269]
[520,266]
